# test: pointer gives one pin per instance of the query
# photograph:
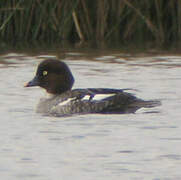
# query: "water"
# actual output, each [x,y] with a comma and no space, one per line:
[144,145]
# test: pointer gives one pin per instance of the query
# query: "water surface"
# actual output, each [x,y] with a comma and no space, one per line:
[144,145]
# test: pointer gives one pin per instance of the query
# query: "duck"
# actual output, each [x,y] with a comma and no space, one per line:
[56,78]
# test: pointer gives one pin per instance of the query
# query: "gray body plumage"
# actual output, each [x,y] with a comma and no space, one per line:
[81,101]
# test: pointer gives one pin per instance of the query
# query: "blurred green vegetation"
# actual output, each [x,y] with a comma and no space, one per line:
[94,23]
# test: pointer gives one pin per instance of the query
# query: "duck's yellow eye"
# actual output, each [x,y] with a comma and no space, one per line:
[45,73]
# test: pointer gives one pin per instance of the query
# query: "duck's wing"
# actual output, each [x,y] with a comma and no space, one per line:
[103,100]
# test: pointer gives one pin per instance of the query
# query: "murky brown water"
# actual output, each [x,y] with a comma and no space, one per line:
[145,145]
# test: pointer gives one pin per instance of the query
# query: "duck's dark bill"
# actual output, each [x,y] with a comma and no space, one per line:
[33,82]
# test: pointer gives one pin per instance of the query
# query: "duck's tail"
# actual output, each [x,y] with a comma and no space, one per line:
[149,104]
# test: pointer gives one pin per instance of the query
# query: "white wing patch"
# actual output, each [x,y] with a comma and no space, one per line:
[97,97]
[86,97]
[66,101]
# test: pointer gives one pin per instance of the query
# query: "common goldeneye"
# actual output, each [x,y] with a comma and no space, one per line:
[56,77]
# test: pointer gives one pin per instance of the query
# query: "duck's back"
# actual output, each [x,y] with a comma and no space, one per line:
[100,100]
